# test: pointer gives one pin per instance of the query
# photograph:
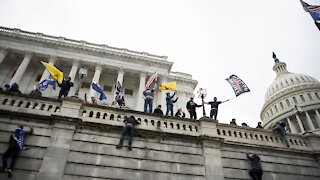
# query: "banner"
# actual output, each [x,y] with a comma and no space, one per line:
[238,85]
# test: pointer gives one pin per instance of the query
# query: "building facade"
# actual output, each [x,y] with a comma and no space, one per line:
[22,51]
[294,98]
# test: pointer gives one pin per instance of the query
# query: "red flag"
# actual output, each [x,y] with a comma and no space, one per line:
[151,80]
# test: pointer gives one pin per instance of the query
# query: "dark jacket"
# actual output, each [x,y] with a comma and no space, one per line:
[255,161]
[131,120]
[158,111]
[170,101]
[66,85]
[180,114]
[191,106]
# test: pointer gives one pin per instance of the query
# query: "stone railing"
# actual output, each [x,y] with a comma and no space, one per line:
[80,43]
[263,137]
[205,127]
[28,104]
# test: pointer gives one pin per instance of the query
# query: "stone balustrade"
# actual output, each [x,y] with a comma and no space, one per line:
[150,122]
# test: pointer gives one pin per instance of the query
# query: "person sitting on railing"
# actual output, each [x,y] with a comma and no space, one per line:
[15,88]
[65,87]
[180,113]
[244,124]
[191,107]
[233,121]
[256,171]
[280,127]
[120,99]
[158,110]
[128,129]
[16,144]
[169,103]
[6,87]
[259,126]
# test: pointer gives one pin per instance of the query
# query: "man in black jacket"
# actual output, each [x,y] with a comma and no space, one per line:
[158,110]
[128,129]
[191,107]
[256,171]
[65,87]
[214,107]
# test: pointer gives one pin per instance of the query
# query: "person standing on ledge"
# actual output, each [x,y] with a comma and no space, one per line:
[128,129]
[191,107]
[170,102]
[214,107]
[148,98]
[256,171]
[16,144]
[233,121]
[65,87]
[259,126]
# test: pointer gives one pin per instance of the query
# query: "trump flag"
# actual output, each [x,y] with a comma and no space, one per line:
[238,85]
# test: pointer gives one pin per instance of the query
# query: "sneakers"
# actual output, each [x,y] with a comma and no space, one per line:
[119,147]
[129,148]
[9,173]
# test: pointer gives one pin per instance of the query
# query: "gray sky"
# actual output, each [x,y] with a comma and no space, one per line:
[209,39]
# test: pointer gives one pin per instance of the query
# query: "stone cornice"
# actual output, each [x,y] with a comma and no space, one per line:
[39,37]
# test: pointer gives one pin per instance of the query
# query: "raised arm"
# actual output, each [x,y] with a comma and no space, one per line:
[249,157]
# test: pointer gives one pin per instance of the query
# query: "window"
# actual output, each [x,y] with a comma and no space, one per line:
[38,78]
[317,95]
[287,83]
[128,92]
[276,108]
[288,102]
[295,100]
[292,80]
[271,112]
[297,79]
[86,85]
[302,98]
[310,97]
[281,105]
[107,88]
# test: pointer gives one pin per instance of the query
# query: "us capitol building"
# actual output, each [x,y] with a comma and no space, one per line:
[293,98]
[74,140]
[22,51]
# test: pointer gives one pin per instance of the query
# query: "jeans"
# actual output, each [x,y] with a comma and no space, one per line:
[169,108]
[281,130]
[148,103]
[12,151]
[193,114]
[128,130]
[256,174]
[214,112]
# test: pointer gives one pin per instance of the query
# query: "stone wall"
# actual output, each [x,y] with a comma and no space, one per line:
[69,143]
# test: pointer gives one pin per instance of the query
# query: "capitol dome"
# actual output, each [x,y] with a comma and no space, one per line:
[294,98]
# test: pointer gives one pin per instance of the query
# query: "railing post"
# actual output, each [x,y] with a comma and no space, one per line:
[211,147]
[71,107]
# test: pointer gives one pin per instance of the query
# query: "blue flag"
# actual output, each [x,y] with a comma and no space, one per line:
[97,88]
[44,84]
[313,10]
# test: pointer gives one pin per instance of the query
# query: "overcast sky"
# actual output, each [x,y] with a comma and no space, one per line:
[209,39]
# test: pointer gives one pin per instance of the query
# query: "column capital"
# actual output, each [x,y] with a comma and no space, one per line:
[143,74]
[76,63]
[52,59]
[3,50]
[28,54]
[121,70]
[98,67]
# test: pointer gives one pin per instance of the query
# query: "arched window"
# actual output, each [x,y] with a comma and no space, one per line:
[302,98]
[310,97]
[295,100]
[288,102]
[276,108]
[317,95]
[281,105]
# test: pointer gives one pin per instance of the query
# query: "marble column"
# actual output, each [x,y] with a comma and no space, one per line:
[96,78]
[309,121]
[120,76]
[292,126]
[140,99]
[22,68]
[3,53]
[74,70]
[300,123]
[46,73]
[162,94]
[318,117]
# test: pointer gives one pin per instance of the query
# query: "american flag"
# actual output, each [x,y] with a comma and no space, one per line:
[313,10]
[151,80]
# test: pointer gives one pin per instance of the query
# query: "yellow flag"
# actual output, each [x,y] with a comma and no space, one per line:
[55,73]
[169,86]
